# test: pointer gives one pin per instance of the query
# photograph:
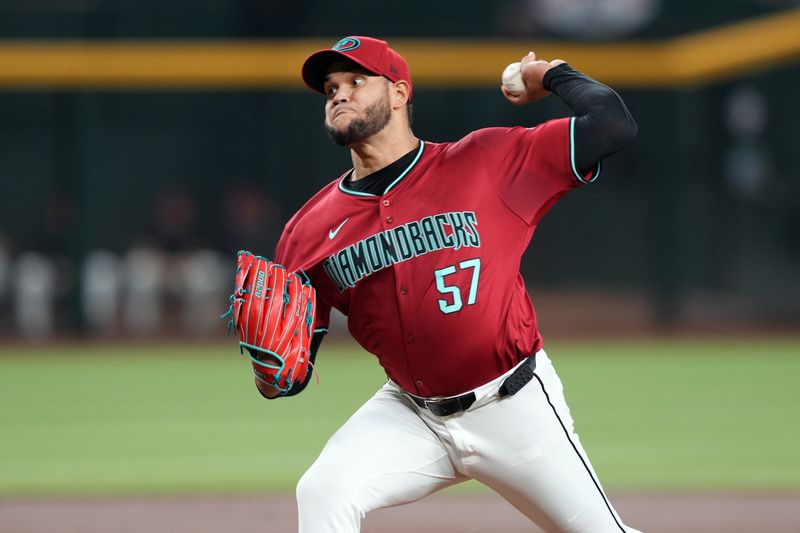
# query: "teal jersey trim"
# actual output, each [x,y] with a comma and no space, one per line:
[596,173]
[414,162]
[391,185]
[348,191]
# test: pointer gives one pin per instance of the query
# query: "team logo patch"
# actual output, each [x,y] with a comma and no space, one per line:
[346,44]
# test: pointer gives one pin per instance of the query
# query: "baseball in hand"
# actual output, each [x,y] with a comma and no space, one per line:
[512,79]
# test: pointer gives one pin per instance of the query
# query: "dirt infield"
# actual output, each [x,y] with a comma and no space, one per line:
[445,513]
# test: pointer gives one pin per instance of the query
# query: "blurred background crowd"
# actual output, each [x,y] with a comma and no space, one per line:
[122,208]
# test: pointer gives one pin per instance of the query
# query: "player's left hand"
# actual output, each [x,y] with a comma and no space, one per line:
[533,71]
[273,312]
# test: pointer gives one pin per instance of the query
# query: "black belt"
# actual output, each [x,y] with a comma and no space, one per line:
[455,404]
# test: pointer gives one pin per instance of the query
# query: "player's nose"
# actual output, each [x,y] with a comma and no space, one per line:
[343,94]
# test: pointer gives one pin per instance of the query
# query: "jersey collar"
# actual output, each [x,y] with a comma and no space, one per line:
[392,184]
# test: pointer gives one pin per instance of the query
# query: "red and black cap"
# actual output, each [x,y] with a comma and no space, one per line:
[372,54]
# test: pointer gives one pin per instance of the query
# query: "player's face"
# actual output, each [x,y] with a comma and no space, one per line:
[357,107]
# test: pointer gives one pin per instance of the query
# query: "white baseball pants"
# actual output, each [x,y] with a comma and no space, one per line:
[392,452]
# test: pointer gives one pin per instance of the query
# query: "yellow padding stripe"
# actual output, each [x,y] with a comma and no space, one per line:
[698,58]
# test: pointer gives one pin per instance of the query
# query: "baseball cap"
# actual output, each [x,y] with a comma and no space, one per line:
[372,54]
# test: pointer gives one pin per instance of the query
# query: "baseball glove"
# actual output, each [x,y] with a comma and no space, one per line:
[273,314]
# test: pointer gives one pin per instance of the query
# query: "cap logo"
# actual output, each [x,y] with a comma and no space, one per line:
[346,44]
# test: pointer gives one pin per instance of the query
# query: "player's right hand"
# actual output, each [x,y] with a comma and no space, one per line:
[533,71]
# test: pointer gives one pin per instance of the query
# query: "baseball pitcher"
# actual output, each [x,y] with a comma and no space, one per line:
[419,245]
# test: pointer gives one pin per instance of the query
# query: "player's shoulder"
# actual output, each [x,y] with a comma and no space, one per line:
[504,132]
[307,224]
[468,141]
[310,210]
[319,202]
[473,142]
[488,135]
[477,137]
[497,136]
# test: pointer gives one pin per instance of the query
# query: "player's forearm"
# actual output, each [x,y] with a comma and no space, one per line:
[603,124]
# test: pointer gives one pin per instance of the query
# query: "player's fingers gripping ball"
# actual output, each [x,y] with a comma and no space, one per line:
[273,313]
[512,79]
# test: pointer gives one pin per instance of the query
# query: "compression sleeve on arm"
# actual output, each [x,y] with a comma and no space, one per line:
[603,124]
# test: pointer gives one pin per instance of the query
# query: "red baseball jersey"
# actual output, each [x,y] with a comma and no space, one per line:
[428,273]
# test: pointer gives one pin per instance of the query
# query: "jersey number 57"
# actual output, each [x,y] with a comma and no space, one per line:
[454,291]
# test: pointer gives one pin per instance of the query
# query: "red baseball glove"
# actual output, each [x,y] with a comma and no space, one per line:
[273,313]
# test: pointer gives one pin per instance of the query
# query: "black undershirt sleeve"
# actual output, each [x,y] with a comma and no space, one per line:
[603,125]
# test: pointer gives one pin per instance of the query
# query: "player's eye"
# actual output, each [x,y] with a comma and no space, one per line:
[359,80]
[330,90]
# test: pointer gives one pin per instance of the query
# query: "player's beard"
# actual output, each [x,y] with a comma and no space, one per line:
[376,117]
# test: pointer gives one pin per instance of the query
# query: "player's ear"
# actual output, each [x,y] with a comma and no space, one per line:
[399,93]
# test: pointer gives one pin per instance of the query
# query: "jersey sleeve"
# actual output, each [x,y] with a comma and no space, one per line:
[531,168]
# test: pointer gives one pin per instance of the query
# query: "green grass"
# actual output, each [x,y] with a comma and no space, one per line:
[675,415]
[687,414]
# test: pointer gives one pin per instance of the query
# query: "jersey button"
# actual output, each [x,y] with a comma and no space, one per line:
[403,290]
[389,220]
[387,203]
[410,339]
